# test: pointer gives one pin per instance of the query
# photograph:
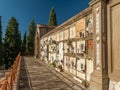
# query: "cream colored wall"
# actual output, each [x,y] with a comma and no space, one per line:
[53,37]
[52,57]
[115,37]
[74,46]
[57,37]
[61,51]
[66,34]
[66,63]
[79,50]
[72,65]
[81,75]
[114,44]
[79,72]
[61,35]
[80,27]
[89,26]
[89,68]
[65,47]
[72,32]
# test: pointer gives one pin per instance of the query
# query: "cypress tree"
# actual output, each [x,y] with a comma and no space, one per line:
[12,42]
[52,18]
[19,43]
[1,46]
[30,38]
[24,44]
[0,32]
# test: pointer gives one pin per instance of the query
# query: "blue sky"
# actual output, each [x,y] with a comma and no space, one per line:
[25,10]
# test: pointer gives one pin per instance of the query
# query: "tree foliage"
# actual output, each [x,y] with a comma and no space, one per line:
[30,38]
[52,18]
[23,51]
[0,32]
[12,42]
[1,46]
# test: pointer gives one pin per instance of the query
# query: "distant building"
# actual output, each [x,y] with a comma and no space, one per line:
[41,30]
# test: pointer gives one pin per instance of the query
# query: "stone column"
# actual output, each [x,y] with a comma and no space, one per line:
[37,42]
[99,77]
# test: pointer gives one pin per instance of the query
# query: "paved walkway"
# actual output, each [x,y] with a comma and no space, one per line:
[23,83]
[36,75]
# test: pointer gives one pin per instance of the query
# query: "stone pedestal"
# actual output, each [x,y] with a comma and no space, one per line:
[98,81]
[114,83]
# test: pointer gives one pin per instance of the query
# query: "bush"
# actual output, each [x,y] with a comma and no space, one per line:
[85,83]
[53,63]
[60,68]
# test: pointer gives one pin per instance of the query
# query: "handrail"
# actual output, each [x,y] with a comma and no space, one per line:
[8,81]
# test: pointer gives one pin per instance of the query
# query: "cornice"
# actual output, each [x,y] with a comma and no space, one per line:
[93,2]
[71,20]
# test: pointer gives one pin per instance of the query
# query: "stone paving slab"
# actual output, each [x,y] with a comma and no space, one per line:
[66,77]
[23,83]
[42,78]
[36,75]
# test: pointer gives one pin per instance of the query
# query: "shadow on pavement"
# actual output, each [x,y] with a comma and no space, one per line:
[23,83]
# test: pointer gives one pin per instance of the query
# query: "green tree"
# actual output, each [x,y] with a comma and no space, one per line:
[1,46]
[24,44]
[30,38]
[12,42]
[0,32]
[52,18]
[19,41]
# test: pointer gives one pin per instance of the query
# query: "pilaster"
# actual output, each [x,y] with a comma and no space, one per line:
[99,77]
[113,10]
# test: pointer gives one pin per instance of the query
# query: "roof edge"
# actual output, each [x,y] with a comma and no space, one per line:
[80,15]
